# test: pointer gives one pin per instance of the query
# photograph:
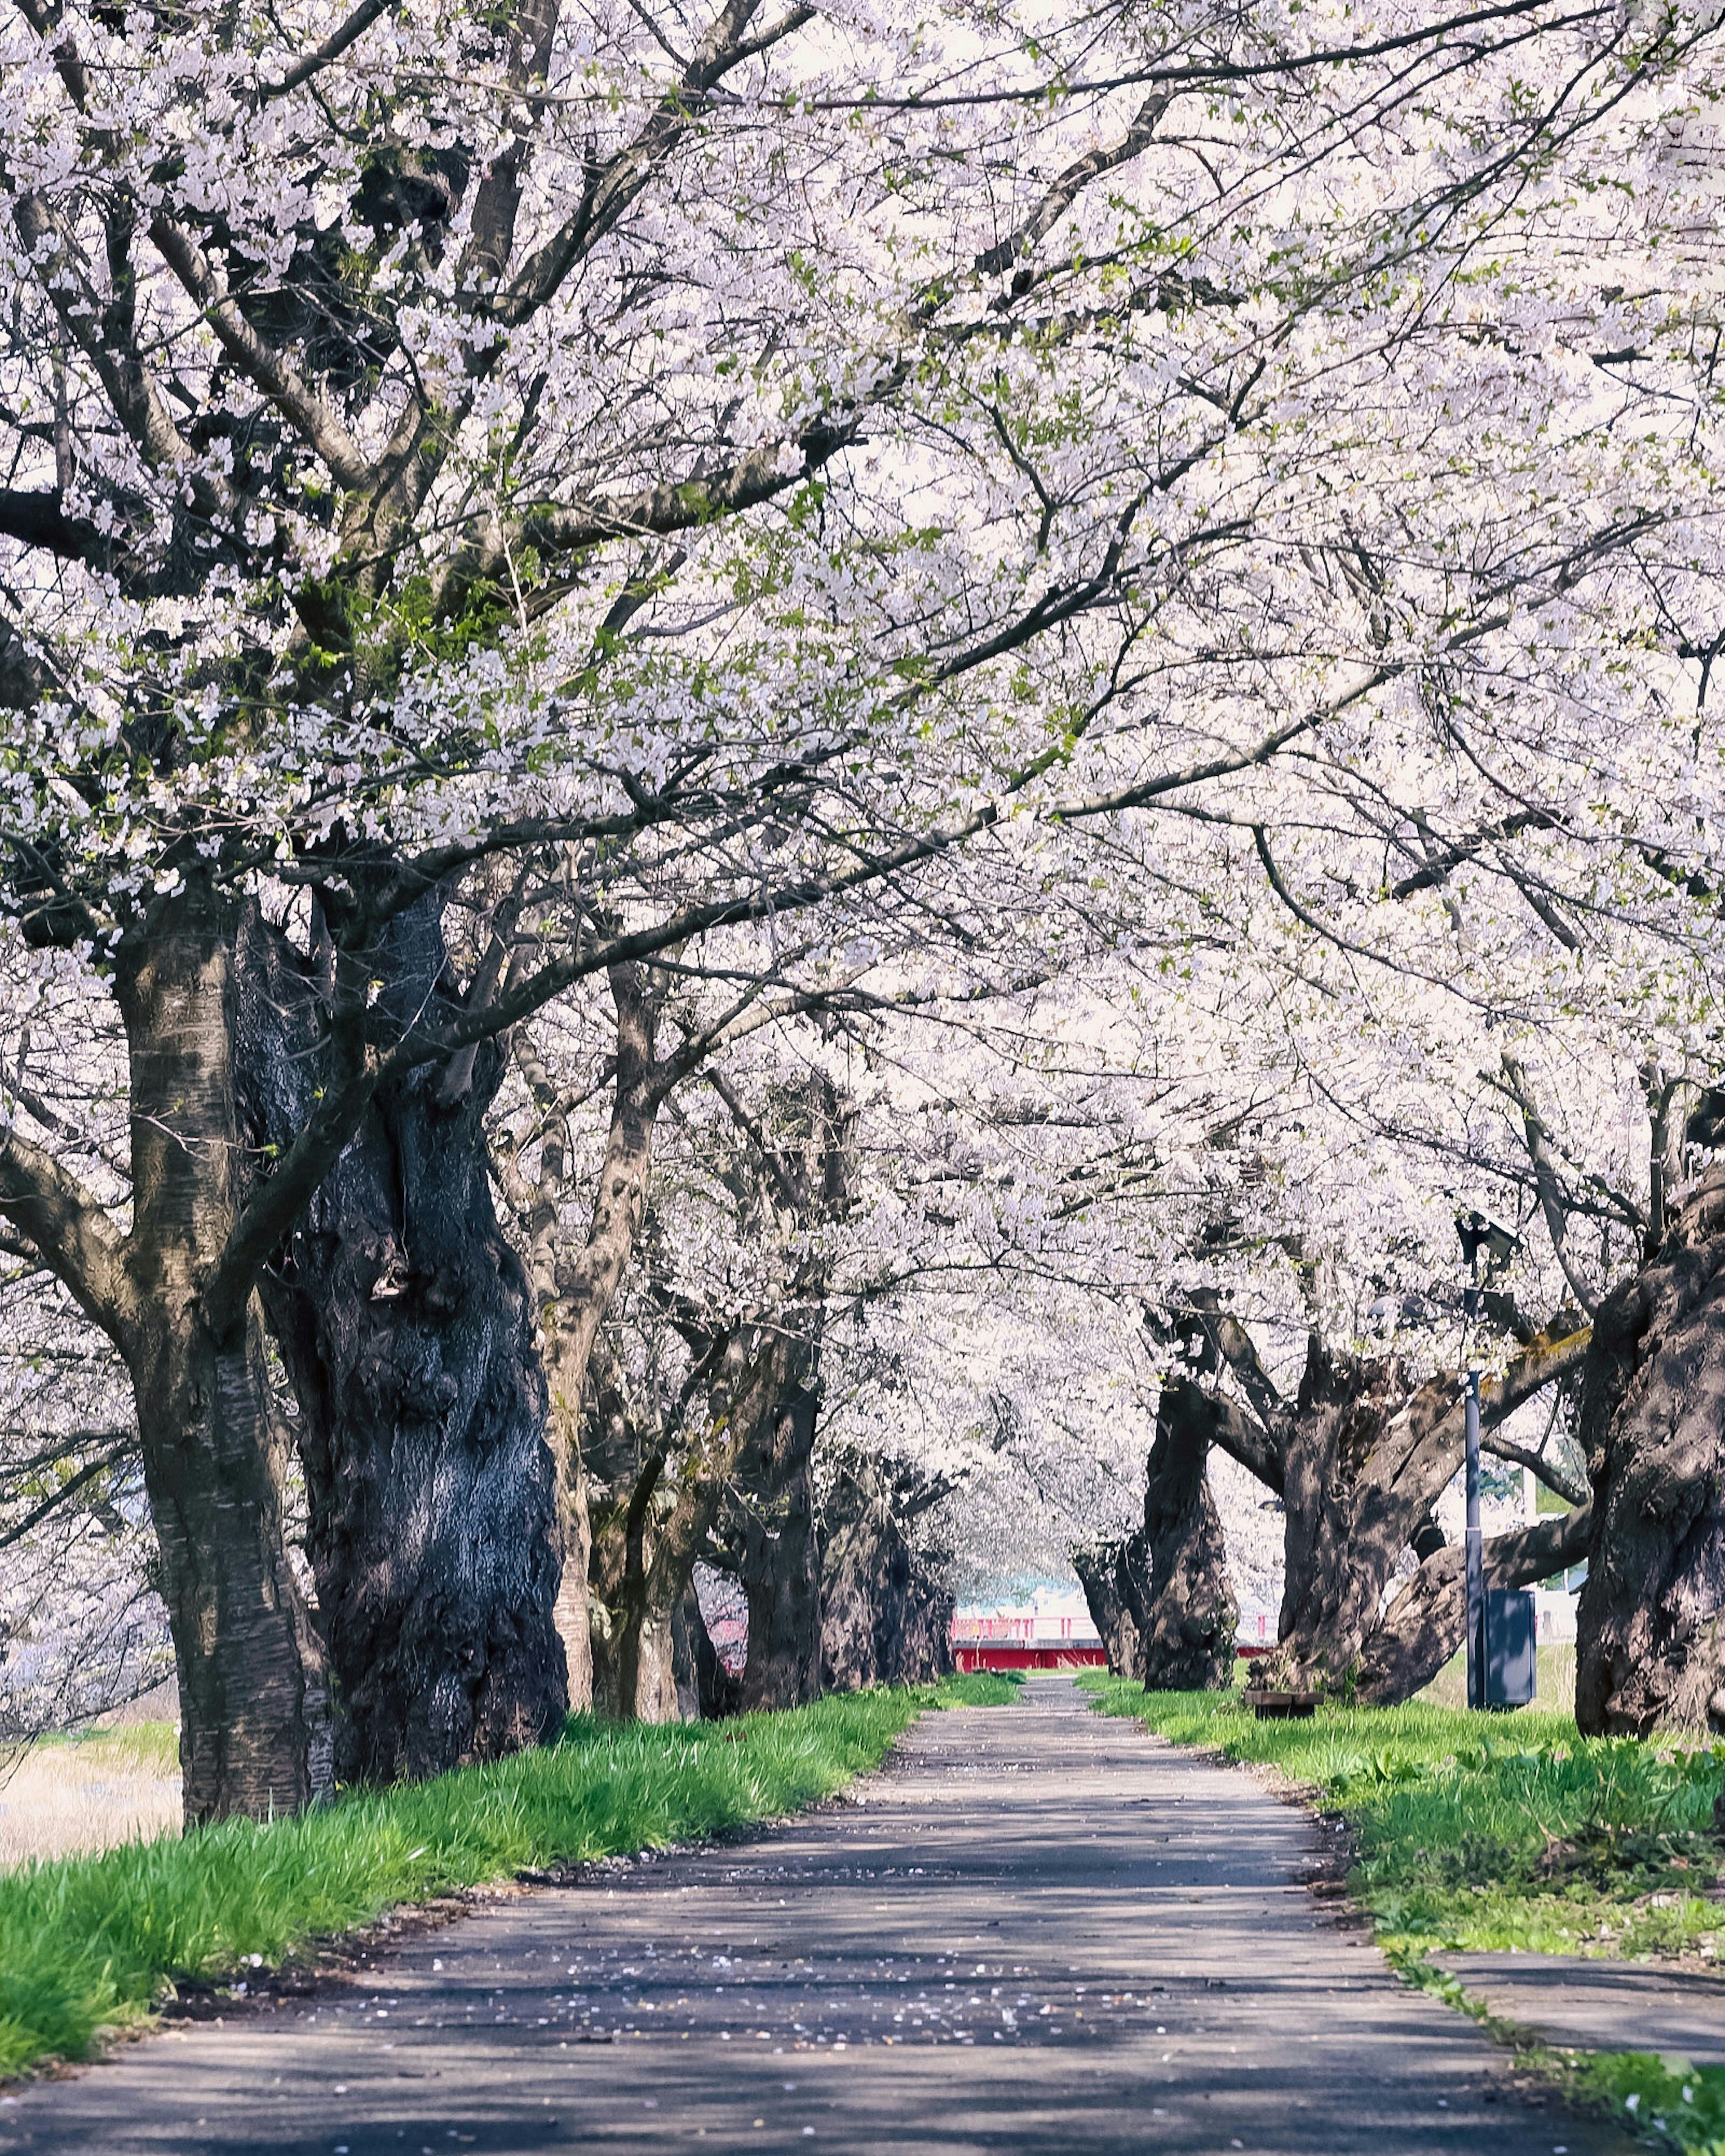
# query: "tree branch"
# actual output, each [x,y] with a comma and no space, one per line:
[77,1241]
[1546,1183]
[276,1202]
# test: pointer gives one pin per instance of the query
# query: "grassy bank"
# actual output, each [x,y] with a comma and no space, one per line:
[1480,1833]
[88,1943]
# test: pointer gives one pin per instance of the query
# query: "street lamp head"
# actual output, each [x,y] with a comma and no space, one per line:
[1476,1234]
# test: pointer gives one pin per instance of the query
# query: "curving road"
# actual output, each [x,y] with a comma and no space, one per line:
[1037,1933]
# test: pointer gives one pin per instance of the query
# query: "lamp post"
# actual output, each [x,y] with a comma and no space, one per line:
[1476,1233]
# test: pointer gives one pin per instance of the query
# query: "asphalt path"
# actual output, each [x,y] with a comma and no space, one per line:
[1035,1931]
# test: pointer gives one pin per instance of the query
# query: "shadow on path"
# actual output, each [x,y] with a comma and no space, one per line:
[1037,1931]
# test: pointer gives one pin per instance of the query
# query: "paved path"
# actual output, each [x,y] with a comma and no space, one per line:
[1040,1933]
[1602,2005]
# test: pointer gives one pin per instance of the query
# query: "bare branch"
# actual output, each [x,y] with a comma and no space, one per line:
[77,1241]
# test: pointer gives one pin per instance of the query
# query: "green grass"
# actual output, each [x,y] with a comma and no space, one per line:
[979,1688]
[93,1943]
[1482,1832]
[146,1746]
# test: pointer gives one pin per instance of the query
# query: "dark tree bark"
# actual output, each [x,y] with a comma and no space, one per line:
[1427,1622]
[1187,1621]
[255,1715]
[1098,1567]
[1358,1459]
[575,1291]
[406,1326]
[649,1526]
[887,1618]
[773,1534]
[1651,1626]
[706,1691]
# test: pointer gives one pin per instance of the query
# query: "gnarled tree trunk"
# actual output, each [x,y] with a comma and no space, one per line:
[1187,1620]
[636,1591]
[1651,1626]
[706,1691]
[1358,1459]
[575,1292]
[887,1618]
[1098,1567]
[406,1325]
[770,1541]
[649,1527]
[1352,1508]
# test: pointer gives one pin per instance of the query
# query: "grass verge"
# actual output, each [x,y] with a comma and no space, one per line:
[88,1944]
[1478,1833]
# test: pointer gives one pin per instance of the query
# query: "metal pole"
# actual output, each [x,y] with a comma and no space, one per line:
[1475,1553]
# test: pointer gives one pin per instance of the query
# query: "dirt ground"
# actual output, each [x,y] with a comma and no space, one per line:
[64,1794]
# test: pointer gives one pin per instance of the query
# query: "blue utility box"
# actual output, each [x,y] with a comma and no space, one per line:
[1511,1647]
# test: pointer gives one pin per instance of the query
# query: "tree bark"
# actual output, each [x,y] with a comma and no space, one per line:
[406,1326]
[772,1536]
[1651,1625]
[254,1707]
[885,1617]
[706,1691]
[1427,1622]
[1358,1459]
[574,1294]
[633,1669]
[1098,1568]
[649,1528]
[1187,1620]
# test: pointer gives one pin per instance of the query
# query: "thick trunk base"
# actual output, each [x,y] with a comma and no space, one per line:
[706,1691]
[885,1618]
[635,1677]
[1186,1617]
[406,1324]
[1650,1633]
[780,1570]
[255,1732]
[255,1706]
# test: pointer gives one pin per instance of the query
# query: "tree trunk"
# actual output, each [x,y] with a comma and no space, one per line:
[1427,1622]
[706,1691]
[1187,1623]
[575,1294]
[635,1599]
[254,1710]
[1651,1626]
[778,1563]
[1098,1570]
[1358,1459]
[406,1325]
[886,1619]
[1347,1520]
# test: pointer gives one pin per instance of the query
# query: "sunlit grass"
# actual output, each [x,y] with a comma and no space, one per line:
[1556,1693]
[87,1942]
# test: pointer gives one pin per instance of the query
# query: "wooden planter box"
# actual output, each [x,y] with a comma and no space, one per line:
[1270,1706]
